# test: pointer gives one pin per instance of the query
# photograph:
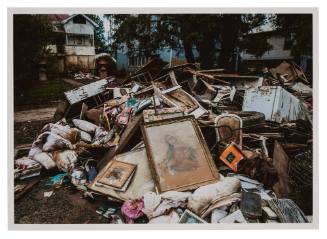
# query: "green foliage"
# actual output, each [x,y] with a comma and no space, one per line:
[255,44]
[252,21]
[138,32]
[99,34]
[147,33]
[43,95]
[300,27]
[32,33]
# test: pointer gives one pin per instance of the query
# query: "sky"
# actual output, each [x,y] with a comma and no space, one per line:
[105,23]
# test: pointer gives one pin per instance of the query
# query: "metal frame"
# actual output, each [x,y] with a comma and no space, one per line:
[228,115]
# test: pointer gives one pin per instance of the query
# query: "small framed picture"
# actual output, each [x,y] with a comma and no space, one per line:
[117,174]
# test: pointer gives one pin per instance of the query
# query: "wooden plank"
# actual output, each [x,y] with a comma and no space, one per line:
[131,129]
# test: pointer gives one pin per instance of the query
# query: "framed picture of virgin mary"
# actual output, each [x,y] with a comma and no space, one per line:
[179,157]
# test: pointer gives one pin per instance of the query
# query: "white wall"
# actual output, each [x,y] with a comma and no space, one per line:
[80,50]
[87,28]
[277,51]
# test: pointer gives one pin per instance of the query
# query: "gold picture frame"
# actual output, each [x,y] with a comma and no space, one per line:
[178,155]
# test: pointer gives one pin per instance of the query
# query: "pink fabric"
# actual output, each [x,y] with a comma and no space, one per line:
[132,209]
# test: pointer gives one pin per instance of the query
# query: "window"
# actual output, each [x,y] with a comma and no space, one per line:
[79,40]
[137,61]
[79,19]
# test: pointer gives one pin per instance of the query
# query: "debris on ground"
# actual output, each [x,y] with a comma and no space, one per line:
[181,145]
[82,75]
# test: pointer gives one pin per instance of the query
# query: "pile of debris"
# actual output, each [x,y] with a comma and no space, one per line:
[84,76]
[182,145]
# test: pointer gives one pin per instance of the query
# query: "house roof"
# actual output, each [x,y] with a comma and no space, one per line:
[270,32]
[57,17]
[74,15]
[64,18]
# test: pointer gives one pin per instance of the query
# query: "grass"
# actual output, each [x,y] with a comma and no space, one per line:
[42,94]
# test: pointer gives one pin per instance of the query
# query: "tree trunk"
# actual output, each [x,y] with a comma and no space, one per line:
[229,35]
[188,51]
[206,50]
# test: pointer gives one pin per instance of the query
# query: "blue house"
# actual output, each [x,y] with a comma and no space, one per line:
[130,60]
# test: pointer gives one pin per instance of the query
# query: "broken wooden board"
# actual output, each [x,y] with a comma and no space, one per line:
[132,127]
[161,114]
[86,91]
[281,163]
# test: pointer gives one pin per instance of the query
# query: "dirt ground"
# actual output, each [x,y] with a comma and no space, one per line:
[35,108]
[32,111]
[41,95]
[65,206]
[43,114]
[26,132]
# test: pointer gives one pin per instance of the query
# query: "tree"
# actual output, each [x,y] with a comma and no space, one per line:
[204,31]
[234,27]
[99,34]
[32,34]
[255,44]
[138,32]
[297,27]
[199,30]
[147,33]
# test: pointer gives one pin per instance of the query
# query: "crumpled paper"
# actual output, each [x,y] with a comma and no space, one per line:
[156,205]
[205,195]
[171,218]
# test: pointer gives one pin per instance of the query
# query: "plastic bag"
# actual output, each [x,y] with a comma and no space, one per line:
[86,137]
[78,177]
[45,159]
[65,160]
[85,126]
[38,144]
[99,135]
[55,142]
[65,132]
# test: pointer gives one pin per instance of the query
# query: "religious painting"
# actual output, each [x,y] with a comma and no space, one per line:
[179,157]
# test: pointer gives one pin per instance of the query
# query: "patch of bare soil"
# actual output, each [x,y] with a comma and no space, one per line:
[26,132]
[66,206]
[34,114]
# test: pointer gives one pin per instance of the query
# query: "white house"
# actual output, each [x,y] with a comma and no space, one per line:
[280,50]
[74,46]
